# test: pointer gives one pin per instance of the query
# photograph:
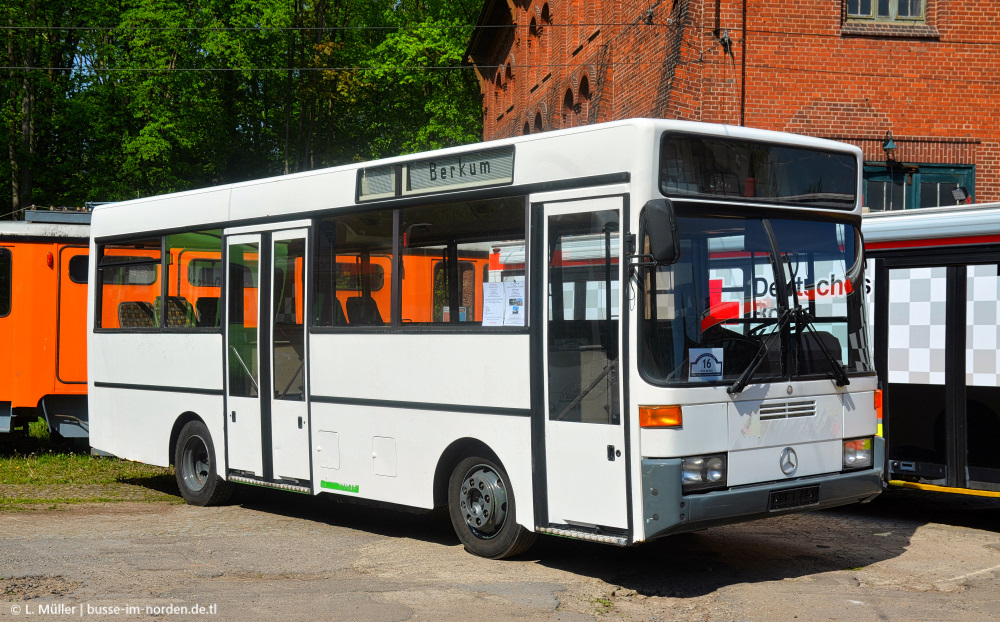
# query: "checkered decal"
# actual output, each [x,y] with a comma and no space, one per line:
[917,325]
[982,339]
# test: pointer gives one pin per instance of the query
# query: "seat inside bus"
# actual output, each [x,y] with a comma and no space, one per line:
[363,311]
[136,314]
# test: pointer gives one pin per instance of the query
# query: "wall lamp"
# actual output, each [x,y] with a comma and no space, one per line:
[888,145]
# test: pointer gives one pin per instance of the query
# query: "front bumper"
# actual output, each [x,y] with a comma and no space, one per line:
[666,511]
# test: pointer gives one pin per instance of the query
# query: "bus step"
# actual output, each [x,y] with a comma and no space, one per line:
[259,482]
[618,540]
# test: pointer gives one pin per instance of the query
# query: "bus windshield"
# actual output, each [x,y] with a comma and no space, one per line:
[755,298]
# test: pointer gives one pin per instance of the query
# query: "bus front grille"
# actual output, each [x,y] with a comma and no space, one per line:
[787,410]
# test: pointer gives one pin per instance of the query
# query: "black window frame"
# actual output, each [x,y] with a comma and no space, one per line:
[164,264]
[739,194]
[86,269]
[10,283]
[396,324]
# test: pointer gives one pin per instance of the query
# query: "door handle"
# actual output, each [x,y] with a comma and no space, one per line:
[611,453]
[233,416]
[300,423]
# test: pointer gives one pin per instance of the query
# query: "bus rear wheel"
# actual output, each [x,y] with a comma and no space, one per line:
[195,467]
[482,509]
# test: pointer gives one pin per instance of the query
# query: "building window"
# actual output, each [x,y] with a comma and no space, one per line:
[886,10]
[912,186]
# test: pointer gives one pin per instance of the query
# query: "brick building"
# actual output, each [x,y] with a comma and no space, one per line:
[850,70]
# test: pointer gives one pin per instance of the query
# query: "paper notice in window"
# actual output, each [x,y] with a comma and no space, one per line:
[513,314]
[494,301]
[706,364]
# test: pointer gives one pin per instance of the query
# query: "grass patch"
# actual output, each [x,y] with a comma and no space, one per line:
[604,605]
[34,474]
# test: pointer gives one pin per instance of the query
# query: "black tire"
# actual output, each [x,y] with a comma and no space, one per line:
[196,468]
[483,510]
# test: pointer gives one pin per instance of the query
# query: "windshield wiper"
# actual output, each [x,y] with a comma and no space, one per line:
[765,346]
[804,322]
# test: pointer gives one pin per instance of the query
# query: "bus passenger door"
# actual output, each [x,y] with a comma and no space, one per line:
[243,378]
[585,454]
[289,410]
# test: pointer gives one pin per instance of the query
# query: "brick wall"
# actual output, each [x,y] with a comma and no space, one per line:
[802,67]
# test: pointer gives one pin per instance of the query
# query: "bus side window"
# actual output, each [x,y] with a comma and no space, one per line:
[447,251]
[352,270]
[79,269]
[194,270]
[6,274]
[128,272]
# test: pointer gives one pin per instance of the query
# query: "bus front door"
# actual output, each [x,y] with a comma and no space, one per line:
[585,454]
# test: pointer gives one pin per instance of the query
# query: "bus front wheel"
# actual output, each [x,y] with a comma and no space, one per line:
[482,509]
[195,467]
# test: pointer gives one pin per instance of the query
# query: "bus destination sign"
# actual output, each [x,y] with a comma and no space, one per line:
[490,167]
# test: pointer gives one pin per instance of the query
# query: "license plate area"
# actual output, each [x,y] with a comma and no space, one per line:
[793,498]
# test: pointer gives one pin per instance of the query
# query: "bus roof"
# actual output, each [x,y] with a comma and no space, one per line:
[960,224]
[587,152]
[23,230]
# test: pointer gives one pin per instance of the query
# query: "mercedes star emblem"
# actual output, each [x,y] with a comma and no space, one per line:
[789,461]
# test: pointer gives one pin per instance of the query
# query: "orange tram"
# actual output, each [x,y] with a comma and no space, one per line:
[44,263]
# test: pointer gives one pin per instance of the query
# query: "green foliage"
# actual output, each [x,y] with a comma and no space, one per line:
[134,104]
[39,429]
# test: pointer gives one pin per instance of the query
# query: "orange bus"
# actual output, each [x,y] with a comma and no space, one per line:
[44,263]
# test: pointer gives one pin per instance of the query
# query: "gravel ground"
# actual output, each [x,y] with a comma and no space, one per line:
[907,556]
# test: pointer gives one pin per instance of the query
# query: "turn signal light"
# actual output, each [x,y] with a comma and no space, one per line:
[660,417]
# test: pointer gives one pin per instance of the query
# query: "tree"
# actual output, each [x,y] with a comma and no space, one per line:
[109,101]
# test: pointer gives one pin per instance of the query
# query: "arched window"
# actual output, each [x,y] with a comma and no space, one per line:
[527,129]
[568,113]
[544,55]
[533,51]
[498,85]
[538,121]
[584,100]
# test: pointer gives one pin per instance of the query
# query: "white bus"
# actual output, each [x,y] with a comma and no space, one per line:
[936,295]
[576,333]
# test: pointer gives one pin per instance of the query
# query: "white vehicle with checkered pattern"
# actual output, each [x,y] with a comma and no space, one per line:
[935,295]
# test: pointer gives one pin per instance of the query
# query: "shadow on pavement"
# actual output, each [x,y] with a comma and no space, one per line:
[923,506]
[786,547]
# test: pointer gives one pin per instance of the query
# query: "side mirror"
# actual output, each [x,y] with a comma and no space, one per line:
[661,227]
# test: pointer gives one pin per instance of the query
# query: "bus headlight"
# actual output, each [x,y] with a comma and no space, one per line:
[703,473]
[858,453]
